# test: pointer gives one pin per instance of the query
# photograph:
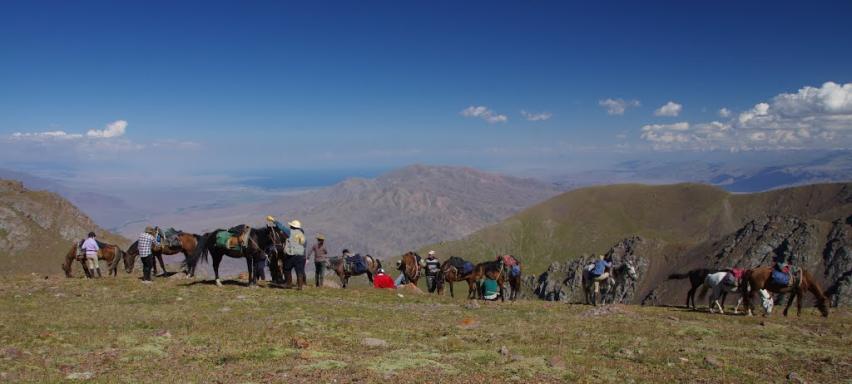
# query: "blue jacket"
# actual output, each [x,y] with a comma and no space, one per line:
[600,267]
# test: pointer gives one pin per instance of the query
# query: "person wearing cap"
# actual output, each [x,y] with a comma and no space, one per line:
[91,248]
[144,244]
[320,255]
[382,280]
[294,249]
[433,269]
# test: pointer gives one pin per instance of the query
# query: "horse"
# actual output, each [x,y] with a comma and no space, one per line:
[109,253]
[494,270]
[696,279]
[761,278]
[188,244]
[410,267]
[338,266]
[450,274]
[255,242]
[720,283]
[622,272]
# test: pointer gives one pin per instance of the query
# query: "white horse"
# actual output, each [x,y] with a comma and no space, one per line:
[721,283]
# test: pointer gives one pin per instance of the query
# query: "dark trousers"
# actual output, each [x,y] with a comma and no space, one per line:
[147,266]
[432,283]
[259,269]
[297,263]
[319,275]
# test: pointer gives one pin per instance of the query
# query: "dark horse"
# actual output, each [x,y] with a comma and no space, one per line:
[337,265]
[257,241]
[109,253]
[696,280]
[450,275]
[187,246]
[761,278]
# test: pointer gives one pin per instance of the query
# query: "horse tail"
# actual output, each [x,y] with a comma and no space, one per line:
[678,276]
[200,252]
[703,292]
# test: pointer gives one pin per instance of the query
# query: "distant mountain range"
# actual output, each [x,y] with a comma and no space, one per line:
[37,228]
[732,176]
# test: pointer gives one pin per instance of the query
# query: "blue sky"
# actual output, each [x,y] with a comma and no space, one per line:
[206,86]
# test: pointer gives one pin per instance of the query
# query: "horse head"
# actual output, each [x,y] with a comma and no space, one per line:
[129,260]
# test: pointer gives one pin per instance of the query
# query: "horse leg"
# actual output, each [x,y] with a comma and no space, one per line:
[799,295]
[451,290]
[789,303]
[250,268]
[217,258]
[690,296]
[162,264]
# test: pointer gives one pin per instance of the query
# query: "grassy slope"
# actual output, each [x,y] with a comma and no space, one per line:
[590,220]
[116,330]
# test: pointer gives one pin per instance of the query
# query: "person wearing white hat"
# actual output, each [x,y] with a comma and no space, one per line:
[294,248]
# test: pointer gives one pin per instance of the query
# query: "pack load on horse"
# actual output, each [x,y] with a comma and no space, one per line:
[339,266]
[456,269]
[355,264]
[781,274]
[601,277]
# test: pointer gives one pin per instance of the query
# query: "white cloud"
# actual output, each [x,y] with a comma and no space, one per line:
[485,114]
[48,135]
[810,118]
[536,116]
[617,106]
[670,109]
[114,129]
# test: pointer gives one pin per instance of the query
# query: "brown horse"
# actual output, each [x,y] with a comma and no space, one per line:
[187,243]
[409,265]
[494,270]
[761,278]
[109,253]
[450,275]
[337,265]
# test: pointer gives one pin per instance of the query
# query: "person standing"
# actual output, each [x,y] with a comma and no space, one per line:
[91,248]
[145,242]
[320,255]
[433,269]
[294,248]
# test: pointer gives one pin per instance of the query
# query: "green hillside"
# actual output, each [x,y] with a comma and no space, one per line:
[678,217]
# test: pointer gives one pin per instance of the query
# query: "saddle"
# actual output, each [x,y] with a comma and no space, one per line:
[171,238]
[234,239]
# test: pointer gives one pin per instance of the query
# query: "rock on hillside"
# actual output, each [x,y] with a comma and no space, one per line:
[36,229]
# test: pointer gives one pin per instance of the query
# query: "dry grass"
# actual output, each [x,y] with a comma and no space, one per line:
[119,330]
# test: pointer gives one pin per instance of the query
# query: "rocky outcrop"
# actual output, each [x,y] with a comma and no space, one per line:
[837,258]
[563,281]
[37,227]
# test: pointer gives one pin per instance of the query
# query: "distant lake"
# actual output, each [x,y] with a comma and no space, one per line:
[290,179]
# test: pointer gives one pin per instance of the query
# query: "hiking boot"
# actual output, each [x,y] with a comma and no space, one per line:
[147,282]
